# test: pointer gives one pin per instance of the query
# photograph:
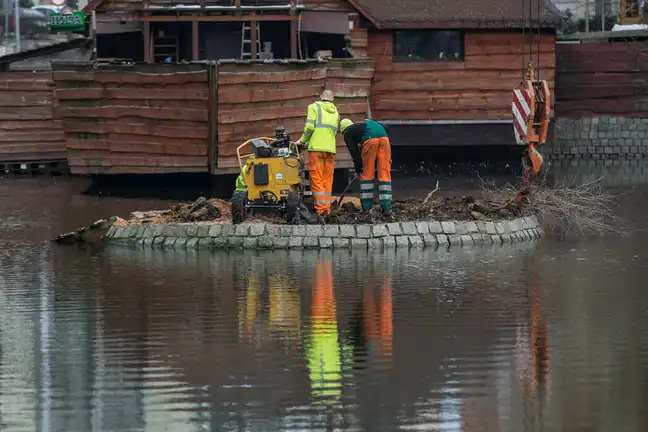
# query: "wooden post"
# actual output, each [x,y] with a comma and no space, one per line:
[195,43]
[253,38]
[148,58]
[293,39]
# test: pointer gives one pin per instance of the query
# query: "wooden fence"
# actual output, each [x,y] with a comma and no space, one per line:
[29,130]
[146,119]
[602,78]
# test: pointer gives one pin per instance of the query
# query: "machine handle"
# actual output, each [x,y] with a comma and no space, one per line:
[238,149]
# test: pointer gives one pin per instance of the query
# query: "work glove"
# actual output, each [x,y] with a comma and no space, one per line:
[358,170]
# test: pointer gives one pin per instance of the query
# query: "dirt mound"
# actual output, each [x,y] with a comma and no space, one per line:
[413,209]
[202,210]
[409,209]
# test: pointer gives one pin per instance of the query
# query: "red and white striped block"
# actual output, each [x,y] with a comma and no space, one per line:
[521,113]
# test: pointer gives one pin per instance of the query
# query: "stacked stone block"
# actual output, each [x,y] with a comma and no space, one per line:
[428,234]
[599,138]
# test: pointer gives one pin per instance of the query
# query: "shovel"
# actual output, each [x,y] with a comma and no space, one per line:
[336,204]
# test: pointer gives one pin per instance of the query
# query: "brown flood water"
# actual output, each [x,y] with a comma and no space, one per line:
[550,336]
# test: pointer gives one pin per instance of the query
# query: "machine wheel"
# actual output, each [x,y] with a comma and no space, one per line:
[239,200]
[292,206]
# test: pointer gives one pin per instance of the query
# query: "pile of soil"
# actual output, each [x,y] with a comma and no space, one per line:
[202,210]
[412,209]
[409,209]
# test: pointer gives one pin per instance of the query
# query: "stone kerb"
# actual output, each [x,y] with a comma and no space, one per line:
[429,234]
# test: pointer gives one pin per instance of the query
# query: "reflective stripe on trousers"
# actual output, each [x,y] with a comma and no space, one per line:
[367,189]
[322,197]
[376,151]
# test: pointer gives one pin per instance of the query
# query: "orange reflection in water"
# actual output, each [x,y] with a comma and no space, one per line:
[378,321]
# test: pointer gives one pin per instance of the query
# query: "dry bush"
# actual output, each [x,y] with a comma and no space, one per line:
[565,209]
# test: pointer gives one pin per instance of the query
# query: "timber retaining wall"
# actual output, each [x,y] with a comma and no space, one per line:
[423,234]
[190,118]
[30,130]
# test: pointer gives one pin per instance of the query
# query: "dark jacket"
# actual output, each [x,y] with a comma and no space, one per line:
[354,138]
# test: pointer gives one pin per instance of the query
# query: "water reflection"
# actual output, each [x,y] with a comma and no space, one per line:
[547,336]
[323,346]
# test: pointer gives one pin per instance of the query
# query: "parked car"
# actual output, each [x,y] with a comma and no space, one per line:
[32,23]
[47,10]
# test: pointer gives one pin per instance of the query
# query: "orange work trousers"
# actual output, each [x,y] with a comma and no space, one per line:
[321,170]
[376,150]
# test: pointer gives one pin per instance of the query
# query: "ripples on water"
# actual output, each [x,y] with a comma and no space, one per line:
[516,338]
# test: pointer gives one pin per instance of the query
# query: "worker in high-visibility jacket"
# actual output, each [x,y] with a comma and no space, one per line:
[319,137]
[369,144]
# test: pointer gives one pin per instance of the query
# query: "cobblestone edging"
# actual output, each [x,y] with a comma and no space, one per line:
[599,138]
[430,234]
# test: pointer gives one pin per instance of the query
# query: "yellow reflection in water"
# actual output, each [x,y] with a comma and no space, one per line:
[249,307]
[285,305]
[283,312]
[324,351]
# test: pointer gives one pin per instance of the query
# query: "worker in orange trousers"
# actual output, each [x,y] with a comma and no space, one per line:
[369,145]
[319,136]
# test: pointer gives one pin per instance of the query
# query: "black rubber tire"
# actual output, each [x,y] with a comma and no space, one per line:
[292,206]
[239,200]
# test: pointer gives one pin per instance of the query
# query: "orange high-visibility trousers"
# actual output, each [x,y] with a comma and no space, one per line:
[321,170]
[376,150]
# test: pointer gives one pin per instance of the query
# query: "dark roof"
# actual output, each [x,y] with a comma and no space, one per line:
[80,42]
[399,14]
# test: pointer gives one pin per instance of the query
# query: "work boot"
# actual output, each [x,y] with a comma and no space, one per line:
[324,217]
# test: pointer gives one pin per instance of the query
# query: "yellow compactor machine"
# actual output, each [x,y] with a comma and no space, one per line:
[273,179]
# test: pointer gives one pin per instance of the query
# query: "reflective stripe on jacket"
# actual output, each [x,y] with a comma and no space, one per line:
[321,127]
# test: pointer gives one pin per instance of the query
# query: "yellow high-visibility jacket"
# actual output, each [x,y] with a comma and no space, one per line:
[321,127]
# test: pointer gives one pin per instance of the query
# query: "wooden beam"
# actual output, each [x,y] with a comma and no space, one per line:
[253,38]
[293,38]
[148,57]
[217,18]
[195,40]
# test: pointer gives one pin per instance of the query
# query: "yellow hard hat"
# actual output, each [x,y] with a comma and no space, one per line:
[345,123]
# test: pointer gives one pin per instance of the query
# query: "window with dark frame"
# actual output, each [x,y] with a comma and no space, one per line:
[428,46]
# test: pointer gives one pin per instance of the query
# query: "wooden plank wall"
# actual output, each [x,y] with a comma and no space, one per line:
[140,119]
[29,130]
[477,88]
[350,81]
[253,99]
[359,41]
[602,78]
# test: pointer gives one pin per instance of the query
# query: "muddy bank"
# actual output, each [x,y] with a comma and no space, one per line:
[448,208]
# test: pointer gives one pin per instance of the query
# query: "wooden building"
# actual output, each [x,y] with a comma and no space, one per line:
[440,72]
[174,31]
[449,63]
[445,68]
